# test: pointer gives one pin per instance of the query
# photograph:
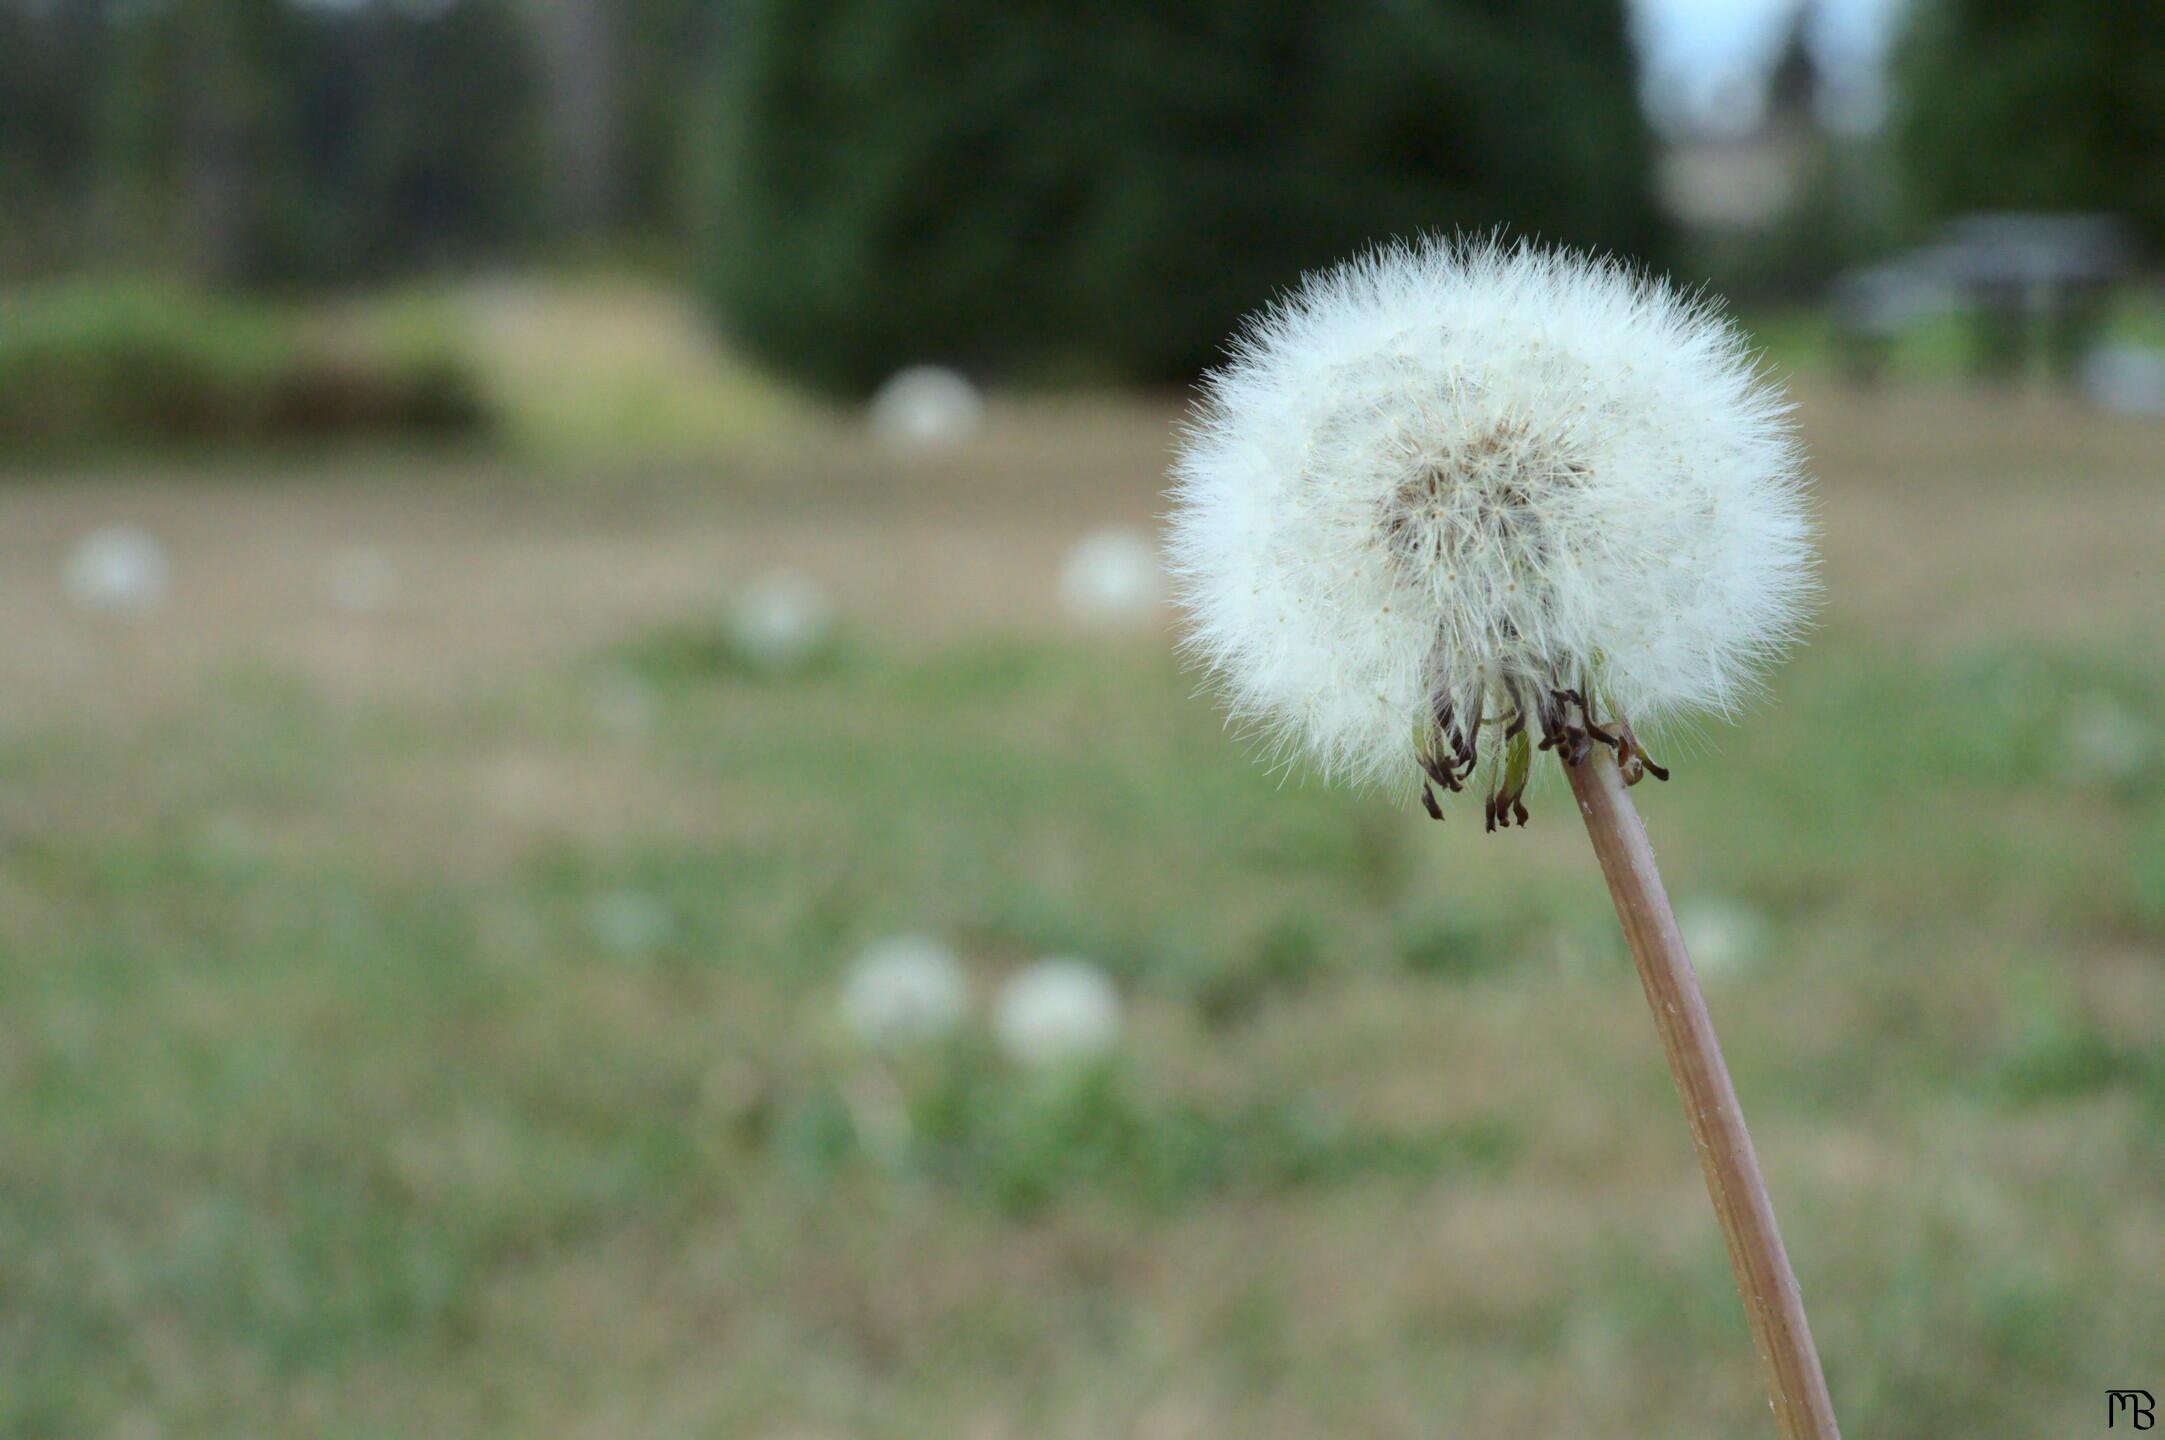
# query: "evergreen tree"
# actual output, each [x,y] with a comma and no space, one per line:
[1111,186]
[2007,105]
[421,135]
[259,140]
[668,92]
[48,59]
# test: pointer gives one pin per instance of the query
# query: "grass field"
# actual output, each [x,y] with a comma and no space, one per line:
[343,1100]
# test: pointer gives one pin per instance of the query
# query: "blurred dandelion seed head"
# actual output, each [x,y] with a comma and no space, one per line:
[119,570]
[629,923]
[1724,936]
[782,621]
[903,991]
[1111,578]
[623,703]
[926,407]
[1441,481]
[360,580]
[1061,1011]
[2101,741]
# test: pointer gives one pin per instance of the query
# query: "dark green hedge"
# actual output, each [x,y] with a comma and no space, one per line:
[1106,188]
[92,363]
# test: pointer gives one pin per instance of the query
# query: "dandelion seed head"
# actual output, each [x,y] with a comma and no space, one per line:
[782,621]
[1726,936]
[360,580]
[1112,578]
[1057,1012]
[903,991]
[629,923]
[926,407]
[1441,481]
[119,570]
[2102,741]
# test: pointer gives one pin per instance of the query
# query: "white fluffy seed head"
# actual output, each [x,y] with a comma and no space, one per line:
[1058,1012]
[360,580]
[1446,479]
[1112,578]
[781,622]
[119,570]
[926,407]
[905,991]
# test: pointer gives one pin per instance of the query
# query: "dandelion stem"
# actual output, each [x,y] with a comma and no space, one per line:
[1772,1303]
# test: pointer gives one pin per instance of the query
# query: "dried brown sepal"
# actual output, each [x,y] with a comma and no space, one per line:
[1632,759]
[1577,729]
[1505,802]
[1442,772]
[1449,760]
[1563,719]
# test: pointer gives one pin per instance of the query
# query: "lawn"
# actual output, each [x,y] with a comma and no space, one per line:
[422,1023]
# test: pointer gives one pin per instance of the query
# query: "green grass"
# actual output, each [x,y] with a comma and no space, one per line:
[594,367]
[331,1115]
[425,1023]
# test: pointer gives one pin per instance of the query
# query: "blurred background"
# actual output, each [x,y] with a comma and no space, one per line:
[600,833]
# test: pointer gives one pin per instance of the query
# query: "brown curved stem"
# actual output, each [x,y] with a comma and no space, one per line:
[1802,1408]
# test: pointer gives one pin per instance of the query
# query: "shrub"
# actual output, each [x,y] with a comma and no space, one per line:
[102,362]
[1111,187]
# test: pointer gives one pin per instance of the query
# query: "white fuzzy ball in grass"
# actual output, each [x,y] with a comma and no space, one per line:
[629,923]
[1725,936]
[360,580]
[926,407]
[1442,482]
[1112,577]
[623,703]
[904,991]
[1057,1012]
[119,570]
[782,621]
[2101,740]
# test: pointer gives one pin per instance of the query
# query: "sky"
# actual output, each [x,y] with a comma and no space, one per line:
[1703,57]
